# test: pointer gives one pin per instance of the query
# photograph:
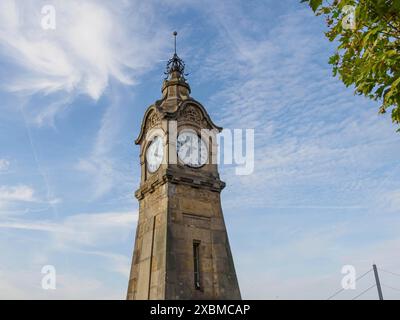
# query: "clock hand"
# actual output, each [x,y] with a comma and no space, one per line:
[157,149]
[187,153]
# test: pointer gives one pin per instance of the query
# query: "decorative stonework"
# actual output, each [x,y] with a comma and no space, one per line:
[153,120]
[192,113]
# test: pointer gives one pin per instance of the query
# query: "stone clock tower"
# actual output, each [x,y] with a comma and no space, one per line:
[181,247]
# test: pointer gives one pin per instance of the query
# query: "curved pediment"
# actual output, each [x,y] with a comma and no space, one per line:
[151,119]
[189,111]
[193,111]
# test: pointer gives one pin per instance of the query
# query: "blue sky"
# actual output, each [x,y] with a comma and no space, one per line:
[325,190]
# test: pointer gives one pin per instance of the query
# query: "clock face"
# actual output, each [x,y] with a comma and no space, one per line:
[192,150]
[155,154]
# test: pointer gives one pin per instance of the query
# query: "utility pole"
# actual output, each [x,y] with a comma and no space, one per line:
[378,284]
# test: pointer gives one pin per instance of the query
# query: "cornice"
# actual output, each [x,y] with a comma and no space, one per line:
[196,181]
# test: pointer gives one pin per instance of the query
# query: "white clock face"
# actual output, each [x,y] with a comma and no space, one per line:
[192,150]
[155,154]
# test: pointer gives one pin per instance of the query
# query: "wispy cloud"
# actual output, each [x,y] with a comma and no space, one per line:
[88,47]
[22,199]
[117,262]
[93,229]
[17,193]
[311,254]
[85,236]
[94,43]
[99,164]
[390,201]
[25,284]
[104,169]
[13,198]
[312,138]
[80,230]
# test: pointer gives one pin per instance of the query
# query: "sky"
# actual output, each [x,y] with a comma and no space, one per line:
[324,193]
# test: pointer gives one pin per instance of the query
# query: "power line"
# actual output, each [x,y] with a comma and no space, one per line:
[393,288]
[391,272]
[362,276]
[335,294]
[339,291]
[374,285]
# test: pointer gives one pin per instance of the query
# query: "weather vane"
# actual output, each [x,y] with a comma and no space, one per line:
[175,64]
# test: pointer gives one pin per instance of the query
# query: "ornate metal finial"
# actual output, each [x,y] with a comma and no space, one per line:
[175,64]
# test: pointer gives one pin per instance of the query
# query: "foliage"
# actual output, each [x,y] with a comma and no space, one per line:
[368,52]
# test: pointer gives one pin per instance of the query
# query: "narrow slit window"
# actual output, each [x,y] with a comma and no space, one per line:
[196,263]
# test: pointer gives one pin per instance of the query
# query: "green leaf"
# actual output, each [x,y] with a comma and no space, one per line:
[396,83]
[315,4]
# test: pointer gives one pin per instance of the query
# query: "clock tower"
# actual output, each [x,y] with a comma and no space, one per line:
[181,246]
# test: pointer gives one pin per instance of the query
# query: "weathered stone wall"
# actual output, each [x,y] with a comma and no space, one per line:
[147,279]
[196,215]
[170,219]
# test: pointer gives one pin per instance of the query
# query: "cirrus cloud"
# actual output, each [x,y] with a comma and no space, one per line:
[93,42]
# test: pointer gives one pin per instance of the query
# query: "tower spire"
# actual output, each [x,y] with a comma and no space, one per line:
[175,66]
[175,88]
[175,34]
